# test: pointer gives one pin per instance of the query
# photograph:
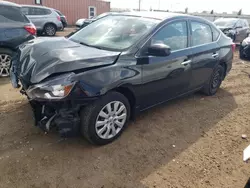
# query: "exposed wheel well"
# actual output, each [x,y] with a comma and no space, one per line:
[130,96]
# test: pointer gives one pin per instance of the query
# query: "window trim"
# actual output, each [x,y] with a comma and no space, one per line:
[37,3]
[89,10]
[145,44]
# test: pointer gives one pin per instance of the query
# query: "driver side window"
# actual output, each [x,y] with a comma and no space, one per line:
[238,24]
[174,35]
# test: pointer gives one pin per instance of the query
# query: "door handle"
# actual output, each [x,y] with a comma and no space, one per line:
[215,55]
[185,63]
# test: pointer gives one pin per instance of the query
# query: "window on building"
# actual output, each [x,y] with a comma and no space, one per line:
[92,12]
[38,2]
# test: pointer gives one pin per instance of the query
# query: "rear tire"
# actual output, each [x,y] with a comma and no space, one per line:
[5,61]
[99,126]
[50,30]
[213,84]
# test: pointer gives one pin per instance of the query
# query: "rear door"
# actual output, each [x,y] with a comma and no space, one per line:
[205,52]
[12,22]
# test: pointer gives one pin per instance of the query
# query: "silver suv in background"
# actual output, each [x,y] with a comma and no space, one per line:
[45,19]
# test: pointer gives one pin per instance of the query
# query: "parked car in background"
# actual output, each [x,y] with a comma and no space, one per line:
[235,28]
[86,22]
[15,28]
[121,64]
[63,19]
[245,48]
[79,22]
[46,20]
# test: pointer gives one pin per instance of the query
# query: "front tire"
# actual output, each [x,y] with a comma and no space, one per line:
[213,84]
[104,120]
[50,30]
[5,61]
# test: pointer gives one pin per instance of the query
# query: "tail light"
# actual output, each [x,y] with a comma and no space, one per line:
[233,47]
[31,29]
[59,18]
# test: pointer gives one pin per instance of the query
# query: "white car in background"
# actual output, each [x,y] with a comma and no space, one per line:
[80,22]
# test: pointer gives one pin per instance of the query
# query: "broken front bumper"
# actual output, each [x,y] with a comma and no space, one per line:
[61,115]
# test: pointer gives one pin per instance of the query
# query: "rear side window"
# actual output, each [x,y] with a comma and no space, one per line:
[246,23]
[25,10]
[35,11]
[10,14]
[201,33]
[216,34]
[238,24]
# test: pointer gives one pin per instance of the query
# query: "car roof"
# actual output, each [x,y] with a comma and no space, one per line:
[37,6]
[229,19]
[156,15]
[6,3]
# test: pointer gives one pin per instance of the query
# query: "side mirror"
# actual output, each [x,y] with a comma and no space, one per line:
[159,49]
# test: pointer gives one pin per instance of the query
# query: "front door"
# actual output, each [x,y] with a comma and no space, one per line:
[166,77]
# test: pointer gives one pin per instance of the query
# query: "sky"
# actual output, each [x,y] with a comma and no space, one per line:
[180,5]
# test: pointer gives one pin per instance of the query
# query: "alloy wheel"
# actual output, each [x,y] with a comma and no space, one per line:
[111,120]
[50,30]
[5,61]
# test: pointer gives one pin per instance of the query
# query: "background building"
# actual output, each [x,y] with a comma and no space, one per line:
[72,9]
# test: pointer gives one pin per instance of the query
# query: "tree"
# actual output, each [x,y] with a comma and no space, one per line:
[240,11]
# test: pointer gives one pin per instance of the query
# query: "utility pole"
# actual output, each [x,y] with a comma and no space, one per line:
[139,5]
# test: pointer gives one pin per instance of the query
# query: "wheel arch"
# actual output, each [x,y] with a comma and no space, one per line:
[224,65]
[48,24]
[129,94]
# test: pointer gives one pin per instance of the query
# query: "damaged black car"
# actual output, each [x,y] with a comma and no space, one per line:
[96,80]
[245,48]
[235,28]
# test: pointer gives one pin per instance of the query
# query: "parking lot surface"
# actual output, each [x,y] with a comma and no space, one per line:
[194,141]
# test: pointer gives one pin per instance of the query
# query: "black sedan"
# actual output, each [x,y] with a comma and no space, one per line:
[103,75]
[63,19]
[245,48]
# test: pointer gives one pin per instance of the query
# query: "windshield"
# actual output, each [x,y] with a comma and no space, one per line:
[225,23]
[114,32]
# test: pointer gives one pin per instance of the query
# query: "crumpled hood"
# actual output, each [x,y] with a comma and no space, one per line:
[42,57]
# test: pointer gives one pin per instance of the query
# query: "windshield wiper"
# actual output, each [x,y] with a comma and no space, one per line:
[82,43]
